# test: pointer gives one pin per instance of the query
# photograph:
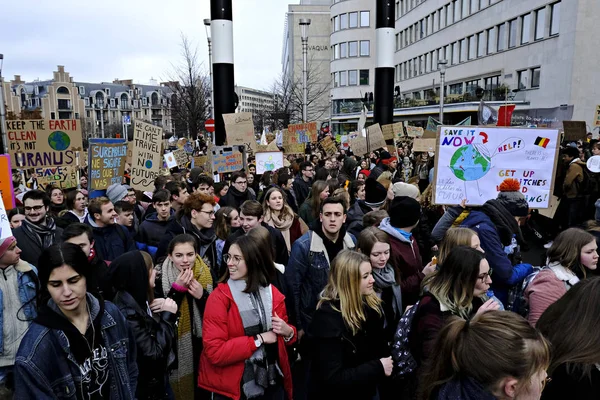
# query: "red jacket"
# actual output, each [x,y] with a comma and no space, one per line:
[226,346]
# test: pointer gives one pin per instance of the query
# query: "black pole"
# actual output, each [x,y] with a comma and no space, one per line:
[383,112]
[221,26]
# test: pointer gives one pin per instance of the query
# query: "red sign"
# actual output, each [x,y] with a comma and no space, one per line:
[209,125]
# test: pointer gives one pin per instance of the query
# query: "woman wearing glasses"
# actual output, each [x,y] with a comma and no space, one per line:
[246,331]
[185,278]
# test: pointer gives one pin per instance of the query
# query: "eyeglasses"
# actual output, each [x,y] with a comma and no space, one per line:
[34,208]
[241,182]
[484,277]
[210,213]
[236,259]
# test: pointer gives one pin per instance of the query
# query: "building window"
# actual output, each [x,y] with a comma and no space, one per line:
[464,50]
[472,47]
[540,21]
[471,86]
[525,28]
[364,76]
[522,77]
[365,19]
[107,91]
[343,50]
[337,51]
[491,83]
[81,89]
[352,78]
[512,33]
[352,49]
[88,114]
[344,21]
[336,24]
[448,11]
[336,79]
[398,40]
[501,37]
[343,78]
[535,77]
[365,50]
[483,3]
[456,6]
[554,18]
[87,101]
[112,103]
[353,19]
[455,52]
[474,6]
[52,115]
[456,88]
[465,8]
[491,42]
[480,44]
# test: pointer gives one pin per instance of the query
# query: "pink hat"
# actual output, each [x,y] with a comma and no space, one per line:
[5,244]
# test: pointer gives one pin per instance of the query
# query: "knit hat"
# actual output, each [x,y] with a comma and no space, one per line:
[194,173]
[365,172]
[512,199]
[116,192]
[388,161]
[375,193]
[404,212]
[405,189]
[5,243]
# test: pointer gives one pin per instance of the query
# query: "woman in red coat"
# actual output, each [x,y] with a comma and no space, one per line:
[245,330]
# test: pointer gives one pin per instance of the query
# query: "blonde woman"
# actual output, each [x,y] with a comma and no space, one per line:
[279,215]
[347,338]
[458,237]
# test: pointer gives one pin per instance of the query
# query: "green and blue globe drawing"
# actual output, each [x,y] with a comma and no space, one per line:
[470,162]
[59,141]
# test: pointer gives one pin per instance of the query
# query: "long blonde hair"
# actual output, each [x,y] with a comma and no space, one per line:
[344,285]
[455,237]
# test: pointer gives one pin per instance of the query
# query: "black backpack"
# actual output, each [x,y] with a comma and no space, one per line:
[404,362]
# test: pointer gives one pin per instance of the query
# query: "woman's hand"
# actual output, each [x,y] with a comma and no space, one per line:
[489,305]
[281,328]
[169,305]
[388,365]
[269,337]
[157,305]
[429,268]
[185,277]
[195,289]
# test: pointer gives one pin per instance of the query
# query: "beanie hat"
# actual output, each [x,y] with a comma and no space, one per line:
[5,243]
[194,173]
[512,199]
[375,193]
[388,161]
[116,192]
[365,172]
[384,155]
[405,189]
[404,212]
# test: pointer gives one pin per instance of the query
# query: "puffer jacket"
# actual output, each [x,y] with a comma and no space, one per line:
[111,241]
[151,232]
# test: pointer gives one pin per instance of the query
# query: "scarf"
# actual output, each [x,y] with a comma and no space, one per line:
[256,310]
[42,235]
[189,325]
[385,277]
[506,224]
[283,225]
[404,234]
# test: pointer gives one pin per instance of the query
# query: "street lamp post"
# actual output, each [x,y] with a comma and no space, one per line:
[304,23]
[210,68]
[100,105]
[442,67]
[3,110]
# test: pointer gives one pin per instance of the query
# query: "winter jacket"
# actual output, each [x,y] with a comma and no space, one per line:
[354,218]
[45,367]
[150,233]
[234,198]
[301,189]
[308,271]
[445,223]
[69,218]
[226,346]
[27,281]
[464,389]
[406,258]
[573,179]
[546,288]
[565,385]
[290,198]
[155,338]
[378,170]
[110,241]
[345,365]
[31,250]
[306,213]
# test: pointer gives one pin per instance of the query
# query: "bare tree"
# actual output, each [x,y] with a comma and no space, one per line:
[190,85]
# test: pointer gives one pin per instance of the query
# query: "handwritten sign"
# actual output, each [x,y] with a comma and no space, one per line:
[358,144]
[63,177]
[388,131]
[574,130]
[471,162]
[147,142]
[302,133]
[425,145]
[414,131]
[202,162]
[268,161]
[5,230]
[328,146]
[181,157]
[298,148]
[597,116]
[107,162]
[240,130]
[226,159]
[170,160]
[376,140]
[6,183]
[43,143]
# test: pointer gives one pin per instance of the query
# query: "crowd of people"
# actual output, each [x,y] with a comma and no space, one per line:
[332,276]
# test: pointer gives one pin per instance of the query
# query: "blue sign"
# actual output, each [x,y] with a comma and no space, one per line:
[127,119]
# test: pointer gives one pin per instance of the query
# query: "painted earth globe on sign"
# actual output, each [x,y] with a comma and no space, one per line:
[470,162]
[59,141]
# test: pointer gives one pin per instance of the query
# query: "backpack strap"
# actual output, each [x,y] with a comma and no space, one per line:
[122,236]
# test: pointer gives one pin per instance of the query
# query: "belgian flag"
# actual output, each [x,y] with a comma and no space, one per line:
[542,142]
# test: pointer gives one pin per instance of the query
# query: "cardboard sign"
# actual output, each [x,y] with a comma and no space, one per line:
[7,191]
[63,177]
[429,134]
[302,133]
[574,130]
[376,140]
[129,152]
[268,161]
[425,145]
[414,131]
[170,160]
[181,158]
[398,128]
[298,148]
[201,162]
[358,144]
[107,162]
[240,130]
[597,116]
[5,230]
[146,156]
[388,131]
[328,146]
[471,162]
[43,143]
[226,159]
[552,207]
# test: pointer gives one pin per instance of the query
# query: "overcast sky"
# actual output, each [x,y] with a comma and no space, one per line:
[99,41]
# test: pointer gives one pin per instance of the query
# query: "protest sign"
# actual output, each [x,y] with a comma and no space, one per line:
[268,161]
[226,159]
[414,131]
[303,133]
[5,230]
[64,177]
[298,148]
[328,146]
[471,162]
[398,128]
[146,155]
[388,131]
[574,130]
[181,158]
[593,164]
[201,162]
[170,160]
[552,207]
[597,116]
[43,143]
[107,162]
[6,182]
[240,130]
[429,134]
[358,144]
[375,136]
[426,145]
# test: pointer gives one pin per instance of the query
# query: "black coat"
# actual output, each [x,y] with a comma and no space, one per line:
[301,189]
[30,249]
[569,386]
[234,198]
[111,241]
[345,366]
